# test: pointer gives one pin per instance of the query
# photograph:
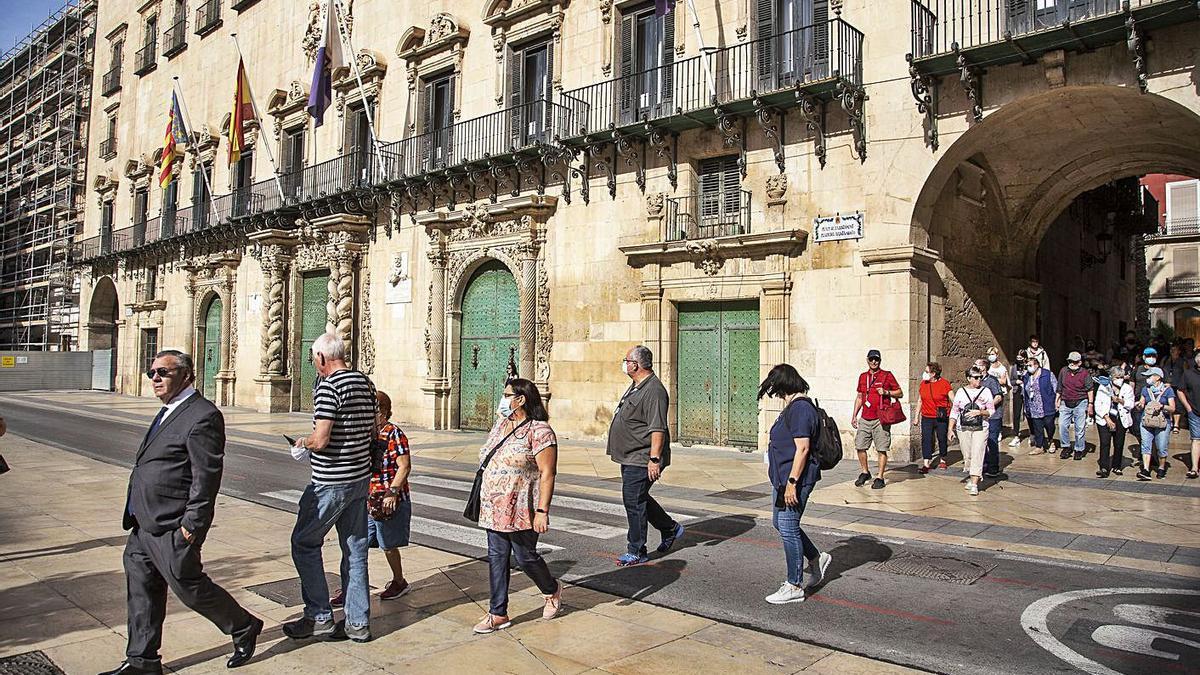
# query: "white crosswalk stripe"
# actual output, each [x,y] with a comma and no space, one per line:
[589,505]
[471,536]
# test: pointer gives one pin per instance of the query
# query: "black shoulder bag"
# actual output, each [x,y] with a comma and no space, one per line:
[471,512]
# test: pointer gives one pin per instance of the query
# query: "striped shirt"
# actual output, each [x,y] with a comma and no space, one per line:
[347,397]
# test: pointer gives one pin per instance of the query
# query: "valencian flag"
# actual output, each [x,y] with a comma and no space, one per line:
[176,135]
[243,111]
[329,59]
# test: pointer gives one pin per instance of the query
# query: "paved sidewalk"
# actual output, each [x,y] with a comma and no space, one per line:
[62,592]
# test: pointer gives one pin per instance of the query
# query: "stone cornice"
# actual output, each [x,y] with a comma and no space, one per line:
[904,258]
[756,245]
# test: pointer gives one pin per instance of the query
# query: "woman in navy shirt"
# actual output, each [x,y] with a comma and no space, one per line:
[794,473]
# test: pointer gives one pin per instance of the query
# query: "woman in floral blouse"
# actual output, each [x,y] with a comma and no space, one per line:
[518,484]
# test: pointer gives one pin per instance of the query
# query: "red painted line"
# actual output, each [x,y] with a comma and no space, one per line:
[1018,582]
[880,610]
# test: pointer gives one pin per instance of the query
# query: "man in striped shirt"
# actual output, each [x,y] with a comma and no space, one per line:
[340,452]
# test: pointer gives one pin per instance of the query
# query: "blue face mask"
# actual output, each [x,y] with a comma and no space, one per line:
[505,408]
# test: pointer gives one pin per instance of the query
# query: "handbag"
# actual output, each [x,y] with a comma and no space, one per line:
[941,414]
[471,512]
[890,410]
[375,506]
[1155,416]
[972,423]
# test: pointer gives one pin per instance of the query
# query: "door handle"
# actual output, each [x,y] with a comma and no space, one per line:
[475,357]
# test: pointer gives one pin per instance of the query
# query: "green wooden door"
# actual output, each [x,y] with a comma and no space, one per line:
[313,317]
[491,327]
[212,348]
[718,373]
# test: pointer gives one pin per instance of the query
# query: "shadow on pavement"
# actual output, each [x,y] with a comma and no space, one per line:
[853,553]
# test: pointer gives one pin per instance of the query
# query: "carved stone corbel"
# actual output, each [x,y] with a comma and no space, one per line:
[1136,43]
[853,98]
[924,91]
[771,129]
[632,158]
[812,111]
[658,142]
[969,76]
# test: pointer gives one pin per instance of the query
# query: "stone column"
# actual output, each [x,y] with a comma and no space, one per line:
[437,386]
[189,326]
[227,375]
[527,253]
[773,345]
[274,387]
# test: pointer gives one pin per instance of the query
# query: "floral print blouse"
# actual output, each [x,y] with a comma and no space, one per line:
[510,490]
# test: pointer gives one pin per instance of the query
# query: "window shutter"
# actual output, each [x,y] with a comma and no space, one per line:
[765,51]
[1018,16]
[710,190]
[516,69]
[1185,262]
[1183,204]
[668,61]
[628,92]
[448,122]
[821,47]
[425,140]
[731,188]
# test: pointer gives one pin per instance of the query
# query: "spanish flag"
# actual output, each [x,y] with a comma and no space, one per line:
[176,135]
[243,111]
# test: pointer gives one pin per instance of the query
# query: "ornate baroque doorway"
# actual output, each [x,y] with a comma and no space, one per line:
[488,344]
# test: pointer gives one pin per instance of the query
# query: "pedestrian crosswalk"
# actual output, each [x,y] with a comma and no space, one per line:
[438,501]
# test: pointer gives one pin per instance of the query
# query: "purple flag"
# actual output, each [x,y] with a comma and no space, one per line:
[329,59]
[661,7]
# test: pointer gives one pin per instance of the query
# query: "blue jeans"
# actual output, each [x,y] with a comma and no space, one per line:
[932,429]
[796,545]
[322,508]
[640,508]
[524,545]
[1040,431]
[991,457]
[1077,415]
[1155,438]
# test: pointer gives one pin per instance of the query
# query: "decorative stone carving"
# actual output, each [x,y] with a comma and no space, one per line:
[366,342]
[397,273]
[545,329]
[274,261]
[655,201]
[316,25]
[776,187]
[479,224]
[441,26]
[707,253]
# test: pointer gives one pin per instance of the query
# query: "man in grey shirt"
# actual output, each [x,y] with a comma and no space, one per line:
[638,440]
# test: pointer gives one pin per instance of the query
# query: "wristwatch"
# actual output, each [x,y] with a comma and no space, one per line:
[542,511]
[393,492]
[656,460]
[791,481]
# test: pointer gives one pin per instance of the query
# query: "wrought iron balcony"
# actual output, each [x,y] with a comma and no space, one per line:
[1000,31]
[110,82]
[1181,287]
[497,138]
[817,61]
[1178,227]
[108,148]
[146,59]
[208,17]
[175,38]
[708,215]
[241,5]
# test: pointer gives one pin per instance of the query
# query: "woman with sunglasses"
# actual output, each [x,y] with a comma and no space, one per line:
[973,405]
[514,500]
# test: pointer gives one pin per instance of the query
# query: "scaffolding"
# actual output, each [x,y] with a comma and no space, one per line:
[45,97]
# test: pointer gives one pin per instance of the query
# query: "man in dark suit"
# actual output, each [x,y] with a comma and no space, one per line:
[168,510]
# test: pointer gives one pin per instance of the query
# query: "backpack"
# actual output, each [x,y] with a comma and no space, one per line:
[827,447]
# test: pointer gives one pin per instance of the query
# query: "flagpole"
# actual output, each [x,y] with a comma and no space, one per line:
[712,91]
[259,118]
[187,121]
[345,37]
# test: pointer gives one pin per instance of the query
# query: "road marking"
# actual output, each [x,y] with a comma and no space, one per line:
[590,505]
[1034,620]
[1044,561]
[556,522]
[1139,640]
[434,528]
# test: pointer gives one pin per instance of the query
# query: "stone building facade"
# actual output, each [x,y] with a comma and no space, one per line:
[1173,255]
[557,180]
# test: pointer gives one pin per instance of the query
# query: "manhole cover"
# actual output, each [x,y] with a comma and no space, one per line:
[29,663]
[740,495]
[952,570]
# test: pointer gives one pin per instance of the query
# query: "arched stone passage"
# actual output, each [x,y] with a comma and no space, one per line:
[102,323]
[989,203]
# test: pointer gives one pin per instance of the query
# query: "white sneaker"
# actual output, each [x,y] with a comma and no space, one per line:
[973,490]
[786,593]
[1015,442]
[816,570]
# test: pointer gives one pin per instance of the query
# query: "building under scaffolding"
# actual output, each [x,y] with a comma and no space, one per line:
[45,93]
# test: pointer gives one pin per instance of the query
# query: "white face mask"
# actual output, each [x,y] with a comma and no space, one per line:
[505,408]
[1118,382]
[1031,369]
[1150,360]
[991,358]
[625,368]
[1073,366]
[927,376]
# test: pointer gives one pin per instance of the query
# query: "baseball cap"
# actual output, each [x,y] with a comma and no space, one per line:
[874,354]
[1149,350]
[1074,356]
[1154,371]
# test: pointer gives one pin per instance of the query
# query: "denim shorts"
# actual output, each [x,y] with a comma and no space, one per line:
[393,532]
[1193,421]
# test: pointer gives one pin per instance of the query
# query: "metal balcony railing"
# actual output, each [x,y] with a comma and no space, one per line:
[146,59]
[108,148]
[1182,286]
[507,131]
[1180,226]
[812,57]
[708,214]
[175,37]
[208,17]
[110,82]
[945,26]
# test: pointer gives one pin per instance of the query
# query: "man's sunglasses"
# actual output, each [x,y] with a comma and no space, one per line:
[161,372]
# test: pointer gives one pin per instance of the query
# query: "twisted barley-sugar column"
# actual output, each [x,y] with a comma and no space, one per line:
[528,257]
[331,288]
[345,299]
[272,359]
[437,314]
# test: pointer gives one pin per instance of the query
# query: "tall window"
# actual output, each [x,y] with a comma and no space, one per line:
[141,212]
[106,226]
[1183,206]
[149,346]
[201,197]
[647,56]
[529,92]
[720,196]
[150,289]
[293,161]
[151,34]
[170,207]
[358,144]
[791,42]
[118,52]
[243,178]
[437,120]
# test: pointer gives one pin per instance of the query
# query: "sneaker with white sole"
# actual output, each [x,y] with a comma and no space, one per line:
[973,490]
[1016,441]
[816,570]
[786,593]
